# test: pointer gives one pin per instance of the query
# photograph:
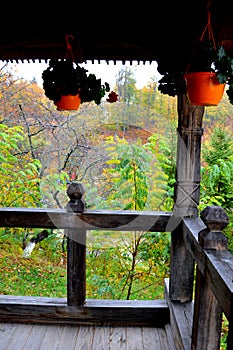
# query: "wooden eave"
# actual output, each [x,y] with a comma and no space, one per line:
[164,32]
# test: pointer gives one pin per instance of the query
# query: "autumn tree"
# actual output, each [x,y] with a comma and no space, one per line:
[18,172]
[134,259]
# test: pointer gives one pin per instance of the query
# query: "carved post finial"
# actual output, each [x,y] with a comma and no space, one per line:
[216,220]
[75,192]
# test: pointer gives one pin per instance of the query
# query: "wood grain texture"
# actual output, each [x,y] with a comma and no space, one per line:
[16,336]
[216,266]
[181,319]
[123,220]
[94,312]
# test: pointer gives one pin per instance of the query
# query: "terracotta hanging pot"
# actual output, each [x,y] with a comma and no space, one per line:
[203,88]
[68,103]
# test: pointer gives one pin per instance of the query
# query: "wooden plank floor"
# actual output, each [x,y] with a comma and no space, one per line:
[16,336]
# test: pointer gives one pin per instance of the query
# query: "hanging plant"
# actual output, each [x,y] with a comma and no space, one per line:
[202,83]
[67,78]
[210,64]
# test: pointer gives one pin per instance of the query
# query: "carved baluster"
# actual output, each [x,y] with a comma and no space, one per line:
[76,250]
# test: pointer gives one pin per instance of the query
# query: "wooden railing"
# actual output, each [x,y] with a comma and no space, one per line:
[75,308]
[77,224]
[195,316]
[200,242]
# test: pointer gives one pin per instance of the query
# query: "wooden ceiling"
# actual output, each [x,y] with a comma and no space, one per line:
[162,31]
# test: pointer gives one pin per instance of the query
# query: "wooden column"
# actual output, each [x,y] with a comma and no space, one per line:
[207,318]
[189,132]
[76,250]
[187,194]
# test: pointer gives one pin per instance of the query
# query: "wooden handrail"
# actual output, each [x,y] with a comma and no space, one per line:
[115,220]
[216,266]
[77,224]
[214,277]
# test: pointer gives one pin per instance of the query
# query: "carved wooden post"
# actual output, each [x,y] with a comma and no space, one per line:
[187,189]
[76,250]
[207,318]
[187,193]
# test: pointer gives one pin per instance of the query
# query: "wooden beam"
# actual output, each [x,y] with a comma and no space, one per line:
[116,220]
[95,312]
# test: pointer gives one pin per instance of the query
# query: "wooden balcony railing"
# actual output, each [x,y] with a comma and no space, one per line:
[200,243]
[199,257]
[75,308]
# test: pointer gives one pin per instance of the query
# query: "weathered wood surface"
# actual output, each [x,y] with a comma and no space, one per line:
[76,250]
[216,266]
[15,336]
[76,268]
[94,312]
[207,320]
[189,131]
[187,194]
[117,220]
[170,338]
[181,268]
[181,320]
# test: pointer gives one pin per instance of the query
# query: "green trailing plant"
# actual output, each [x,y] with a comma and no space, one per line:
[206,58]
[65,77]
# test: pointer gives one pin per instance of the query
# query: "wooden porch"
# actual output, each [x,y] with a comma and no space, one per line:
[200,287]
[182,320]
[99,325]
[60,337]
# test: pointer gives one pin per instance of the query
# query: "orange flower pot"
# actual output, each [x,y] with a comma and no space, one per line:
[203,88]
[68,103]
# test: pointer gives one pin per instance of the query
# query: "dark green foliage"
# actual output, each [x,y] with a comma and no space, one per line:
[217,170]
[64,77]
[133,168]
[165,150]
[132,268]
[217,174]
[205,58]
[172,84]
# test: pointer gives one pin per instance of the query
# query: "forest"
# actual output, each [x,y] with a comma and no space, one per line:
[124,155]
